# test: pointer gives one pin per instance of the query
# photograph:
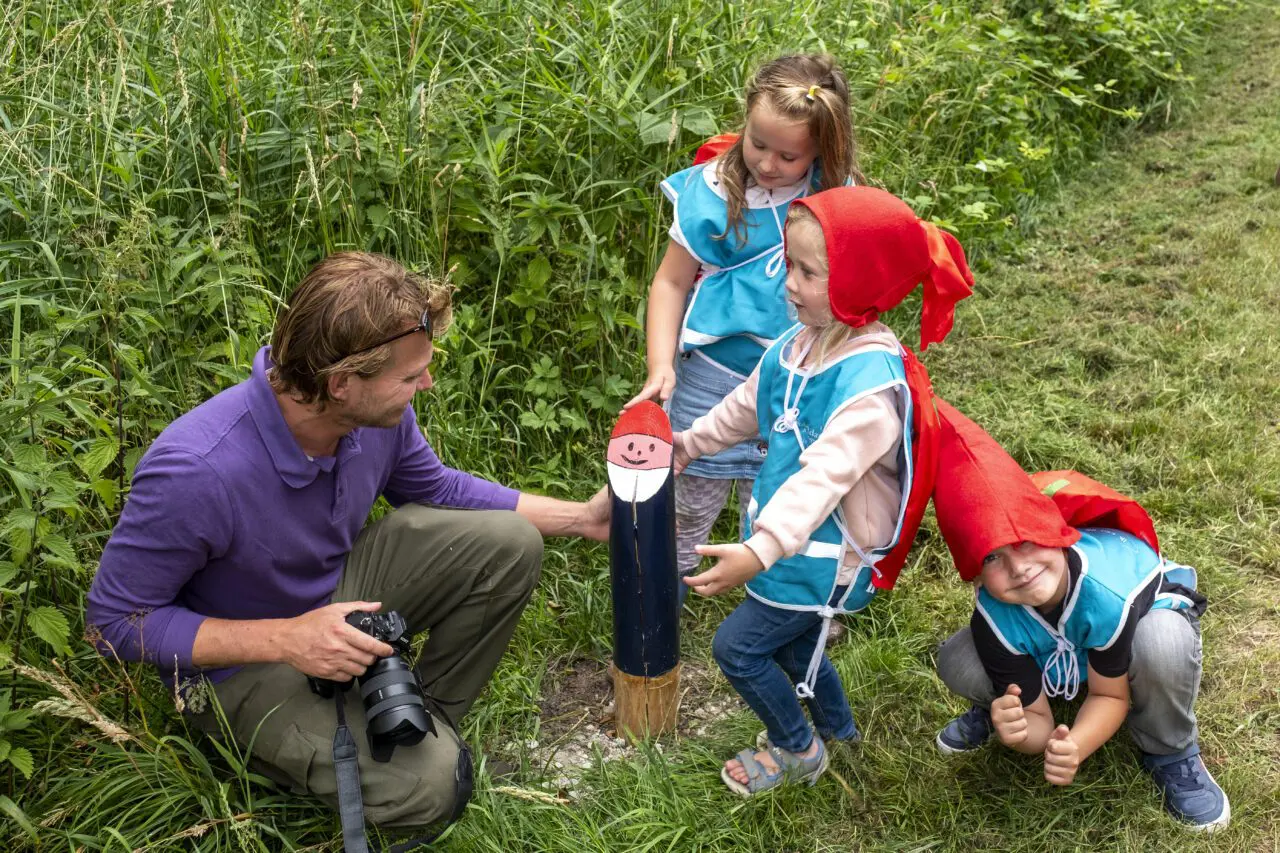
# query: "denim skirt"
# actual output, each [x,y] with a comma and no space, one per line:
[700,385]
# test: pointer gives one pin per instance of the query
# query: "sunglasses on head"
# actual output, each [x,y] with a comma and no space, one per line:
[424,325]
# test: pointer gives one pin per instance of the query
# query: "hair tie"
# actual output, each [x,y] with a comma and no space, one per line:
[812,91]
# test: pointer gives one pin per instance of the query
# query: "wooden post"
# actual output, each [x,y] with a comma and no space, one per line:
[644,583]
[643,707]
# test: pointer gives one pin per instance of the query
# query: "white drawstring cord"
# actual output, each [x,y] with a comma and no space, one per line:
[1066,668]
[805,688]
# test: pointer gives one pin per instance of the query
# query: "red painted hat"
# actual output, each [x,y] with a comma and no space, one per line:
[984,500]
[1084,502]
[878,250]
[644,418]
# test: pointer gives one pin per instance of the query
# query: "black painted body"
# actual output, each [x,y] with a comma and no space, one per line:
[646,601]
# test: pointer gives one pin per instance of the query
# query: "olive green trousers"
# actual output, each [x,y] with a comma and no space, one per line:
[462,576]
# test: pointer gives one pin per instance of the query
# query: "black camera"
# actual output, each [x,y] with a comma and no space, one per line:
[394,710]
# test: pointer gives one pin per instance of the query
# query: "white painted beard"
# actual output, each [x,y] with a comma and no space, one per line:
[628,484]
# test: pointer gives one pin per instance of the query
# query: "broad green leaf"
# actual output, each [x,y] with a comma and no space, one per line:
[538,272]
[101,453]
[17,527]
[699,121]
[50,625]
[108,491]
[22,480]
[655,129]
[19,817]
[29,458]
[20,757]
[59,551]
[15,721]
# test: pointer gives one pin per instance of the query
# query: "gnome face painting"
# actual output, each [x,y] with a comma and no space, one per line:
[640,451]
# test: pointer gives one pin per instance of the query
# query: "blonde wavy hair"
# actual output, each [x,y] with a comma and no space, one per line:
[784,84]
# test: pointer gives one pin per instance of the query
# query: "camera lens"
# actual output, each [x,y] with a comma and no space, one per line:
[393,706]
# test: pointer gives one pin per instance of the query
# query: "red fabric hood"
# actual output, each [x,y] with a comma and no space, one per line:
[1084,502]
[984,500]
[878,250]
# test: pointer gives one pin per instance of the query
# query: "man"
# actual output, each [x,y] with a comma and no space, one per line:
[241,550]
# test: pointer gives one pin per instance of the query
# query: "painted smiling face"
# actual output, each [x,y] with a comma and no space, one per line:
[640,452]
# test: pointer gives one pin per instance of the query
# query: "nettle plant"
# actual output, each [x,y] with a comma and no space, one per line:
[12,720]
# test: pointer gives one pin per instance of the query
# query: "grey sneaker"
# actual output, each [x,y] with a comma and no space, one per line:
[967,732]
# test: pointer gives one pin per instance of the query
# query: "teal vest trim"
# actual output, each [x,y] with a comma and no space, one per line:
[738,306]
[793,407]
[1114,568]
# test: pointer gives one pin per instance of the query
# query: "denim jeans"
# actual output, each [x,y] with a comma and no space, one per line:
[764,651]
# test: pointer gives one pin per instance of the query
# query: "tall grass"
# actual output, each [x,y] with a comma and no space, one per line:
[169,169]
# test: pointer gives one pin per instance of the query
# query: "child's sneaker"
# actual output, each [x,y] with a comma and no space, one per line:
[966,732]
[1190,794]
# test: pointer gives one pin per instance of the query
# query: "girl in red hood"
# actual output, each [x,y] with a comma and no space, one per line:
[848,470]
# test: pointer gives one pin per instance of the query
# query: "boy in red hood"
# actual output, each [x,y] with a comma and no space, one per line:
[838,499]
[1072,592]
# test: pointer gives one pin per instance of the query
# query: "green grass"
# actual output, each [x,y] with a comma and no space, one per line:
[167,171]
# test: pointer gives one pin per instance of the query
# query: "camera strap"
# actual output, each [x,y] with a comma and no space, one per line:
[346,767]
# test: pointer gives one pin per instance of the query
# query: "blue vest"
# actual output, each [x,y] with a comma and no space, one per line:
[738,306]
[1114,568]
[793,407]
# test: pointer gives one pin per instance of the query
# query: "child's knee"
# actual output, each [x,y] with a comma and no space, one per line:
[952,653]
[961,669]
[1166,647]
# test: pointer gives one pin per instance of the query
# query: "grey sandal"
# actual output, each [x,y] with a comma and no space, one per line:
[791,769]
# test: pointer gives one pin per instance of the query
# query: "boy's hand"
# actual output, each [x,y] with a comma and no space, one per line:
[658,385]
[1009,718]
[682,458]
[1061,757]
[737,565]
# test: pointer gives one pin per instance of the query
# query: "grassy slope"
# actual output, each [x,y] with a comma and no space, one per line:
[1131,340]
[1134,339]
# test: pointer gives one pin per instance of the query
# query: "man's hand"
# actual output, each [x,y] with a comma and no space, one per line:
[660,382]
[321,643]
[1009,718]
[555,517]
[595,516]
[681,457]
[1061,757]
[737,565]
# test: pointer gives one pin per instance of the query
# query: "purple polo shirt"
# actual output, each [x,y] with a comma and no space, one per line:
[227,517]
